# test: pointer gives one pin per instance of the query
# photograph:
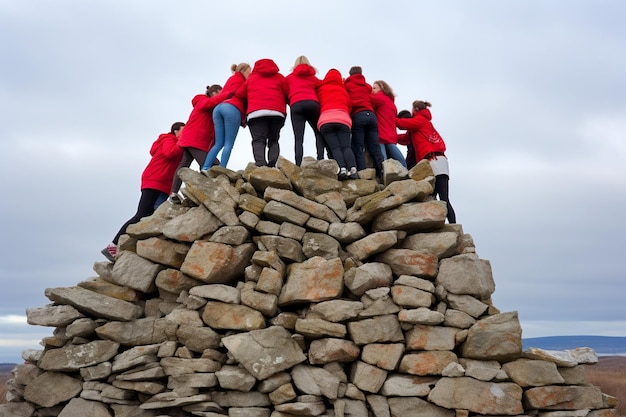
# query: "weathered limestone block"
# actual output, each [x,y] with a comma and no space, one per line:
[409,262]
[263,177]
[443,243]
[270,281]
[393,171]
[335,202]
[283,394]
[410,190]
[379,406]
[73,357]
[288,249]
[372,244]
[291,231]
[269,259]
[143,387]
[497,337]
[265,303]
[322,351]
[183,366]
[421,315]
[52,388]
[273,382]
[367,377]
[316,328]
[94,304]
[252,203]
[313,280]
[173,281]
[426,363]
[220,315]
[424,337]
[165,252]
[398,385]
[566,358]
[280,212]
[231,235]
[249,220]
[315,381]
[220,292]
[303,204]
[213,193]
[335,310]
[52,315]
[265,352]
[416,407]
[368,276]
[135,271]
[412,217]
[194,380]
[78,407]
[421,170]
[461,393]
[320,244]
[466,274]
[563,397]
[235,378]
[146,331]
[302,408]
[121,292]
[216,263]
[466,304]
[383,355]
[152,226]
[410,297]
[533,373]
[459,319]
[481,370]
[367,207]
[377,329]
[192,225]
[198,339]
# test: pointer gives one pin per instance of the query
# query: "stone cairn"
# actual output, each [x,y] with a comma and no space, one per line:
[284,292]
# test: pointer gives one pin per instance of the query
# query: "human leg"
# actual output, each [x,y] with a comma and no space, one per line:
[218,123]
[393,152]
[259,132]
[410,156]
[186,161]
[441,189]
[359,120]
[145,208]
[275,123]
[298,122]
[232,121]
[329,132]
[371,140]
[344,134]
[383,151]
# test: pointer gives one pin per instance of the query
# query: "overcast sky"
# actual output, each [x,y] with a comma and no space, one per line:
[528,95]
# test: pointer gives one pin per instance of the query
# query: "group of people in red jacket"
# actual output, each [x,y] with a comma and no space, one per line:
[349,117]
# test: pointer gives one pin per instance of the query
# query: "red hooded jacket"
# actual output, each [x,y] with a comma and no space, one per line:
[386,112]
[302,83]
[235,83]
[265,88]
[166,155]
[423,134]
[199,130]
[335,102]
[360,93]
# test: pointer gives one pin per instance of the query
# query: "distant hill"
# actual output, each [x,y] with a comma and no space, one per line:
[603,345]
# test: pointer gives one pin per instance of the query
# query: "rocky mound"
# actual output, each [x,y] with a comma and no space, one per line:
[285,292]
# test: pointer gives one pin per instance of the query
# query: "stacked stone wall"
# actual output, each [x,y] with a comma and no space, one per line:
[285,292]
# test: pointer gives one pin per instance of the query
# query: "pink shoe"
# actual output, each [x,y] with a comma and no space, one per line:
[110,252]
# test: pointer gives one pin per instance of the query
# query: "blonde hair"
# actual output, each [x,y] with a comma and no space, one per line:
[239,67]
[302,59]
[421,104]
[385,88]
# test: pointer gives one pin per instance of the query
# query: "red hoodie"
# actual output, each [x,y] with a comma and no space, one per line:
[423,134]
[302,83]
[166,155]
[334,100]
[386,112]
[199,130]
[265,88]
[360,92]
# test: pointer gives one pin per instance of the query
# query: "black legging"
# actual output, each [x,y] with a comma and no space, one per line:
[441,190]
[145,208]
[189,155]
[302,112]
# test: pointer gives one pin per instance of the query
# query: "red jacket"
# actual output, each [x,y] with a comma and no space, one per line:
[423,134]
[265,88]
[334,100]
[199,130]
[235,83]
[302,83]
[386,112]
[360,93]
[166,155]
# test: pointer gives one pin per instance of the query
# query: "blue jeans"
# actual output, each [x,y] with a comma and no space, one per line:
[390,150]
[365,136]
[227,119]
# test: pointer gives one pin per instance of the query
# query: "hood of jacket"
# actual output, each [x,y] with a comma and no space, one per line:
[303,70]
[425,113]
[197,98]
[265,67]
[333,76]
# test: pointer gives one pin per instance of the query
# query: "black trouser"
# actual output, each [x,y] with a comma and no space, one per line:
[265,132]
[302,112]
[441,190]
[189,155]
[149,197]
[337,137]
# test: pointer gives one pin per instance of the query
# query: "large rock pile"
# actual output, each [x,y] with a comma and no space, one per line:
[285,292]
